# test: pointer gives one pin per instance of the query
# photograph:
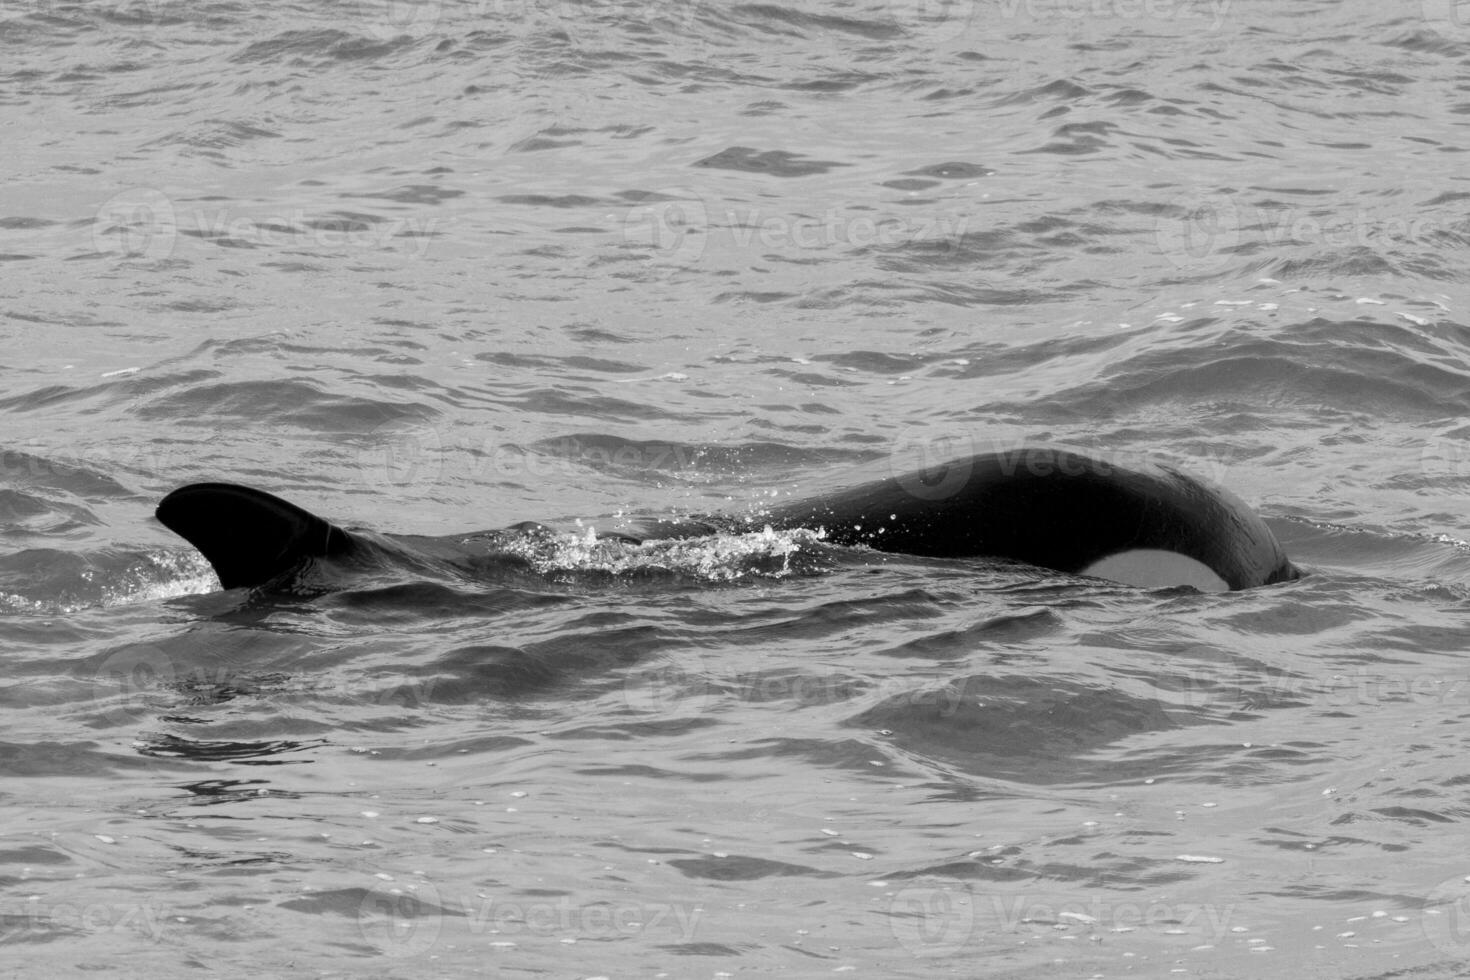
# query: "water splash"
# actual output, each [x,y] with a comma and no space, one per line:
[162,575]
[724,557]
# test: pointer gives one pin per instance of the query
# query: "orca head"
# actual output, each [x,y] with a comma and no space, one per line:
[1153,568]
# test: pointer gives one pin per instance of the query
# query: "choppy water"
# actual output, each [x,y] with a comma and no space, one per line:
[447,266]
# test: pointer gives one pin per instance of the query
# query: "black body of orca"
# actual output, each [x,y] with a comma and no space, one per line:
[1144,524]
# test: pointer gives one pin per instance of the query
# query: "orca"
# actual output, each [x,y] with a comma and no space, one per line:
[1145,524]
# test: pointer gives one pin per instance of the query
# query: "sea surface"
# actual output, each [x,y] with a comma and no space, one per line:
[437,267]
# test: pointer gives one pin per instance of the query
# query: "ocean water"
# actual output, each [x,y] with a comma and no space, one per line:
[446,266]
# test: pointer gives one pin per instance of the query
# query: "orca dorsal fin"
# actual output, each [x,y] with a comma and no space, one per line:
[249,536]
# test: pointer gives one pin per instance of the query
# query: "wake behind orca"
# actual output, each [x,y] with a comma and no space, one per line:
[1145,524]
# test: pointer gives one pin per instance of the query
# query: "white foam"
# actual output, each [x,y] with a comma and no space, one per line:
[718,557]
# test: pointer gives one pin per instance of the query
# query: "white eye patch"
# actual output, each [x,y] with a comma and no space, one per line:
[1151,568]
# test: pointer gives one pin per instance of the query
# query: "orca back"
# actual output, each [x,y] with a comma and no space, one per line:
[1053,508]
[1047,507]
